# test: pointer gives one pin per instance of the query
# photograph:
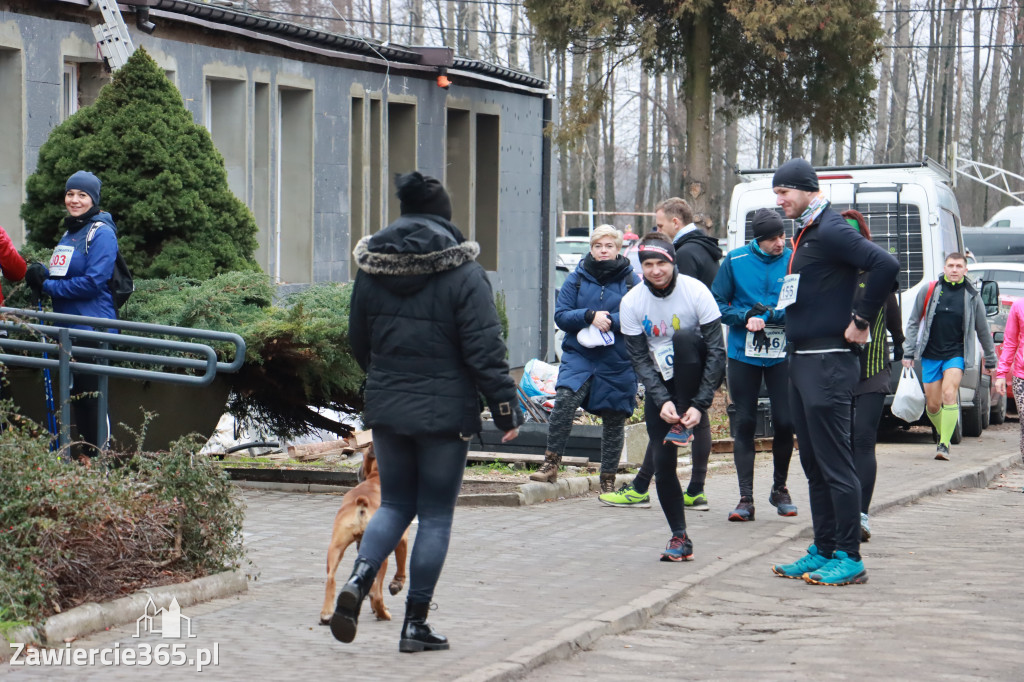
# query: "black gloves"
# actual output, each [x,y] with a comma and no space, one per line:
[760,341]
[35,276]
[758,309]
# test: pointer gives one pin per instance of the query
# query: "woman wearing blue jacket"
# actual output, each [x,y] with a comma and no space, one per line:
[77,280]
[595,373]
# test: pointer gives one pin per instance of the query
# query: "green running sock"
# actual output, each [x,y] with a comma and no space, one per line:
[948,417]
[933,417]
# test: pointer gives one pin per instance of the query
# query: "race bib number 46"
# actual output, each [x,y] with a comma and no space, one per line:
[60,260]
[773,346]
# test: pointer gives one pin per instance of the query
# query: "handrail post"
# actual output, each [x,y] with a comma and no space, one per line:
[101,418]
[64,386]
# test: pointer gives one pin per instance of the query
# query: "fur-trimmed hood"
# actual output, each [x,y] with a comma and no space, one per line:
[404,255]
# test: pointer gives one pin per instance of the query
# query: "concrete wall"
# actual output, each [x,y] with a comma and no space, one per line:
[283,118]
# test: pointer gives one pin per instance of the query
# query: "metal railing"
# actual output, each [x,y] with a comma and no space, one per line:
[57,350]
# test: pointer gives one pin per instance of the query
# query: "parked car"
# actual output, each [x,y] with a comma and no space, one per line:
[913,214]
[1010,278]
[1009,216]
[569,250]
[995,244]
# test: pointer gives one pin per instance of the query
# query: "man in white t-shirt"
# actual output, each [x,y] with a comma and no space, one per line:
[673,331]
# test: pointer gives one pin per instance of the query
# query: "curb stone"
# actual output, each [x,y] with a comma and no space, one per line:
[93,617]
[640,610]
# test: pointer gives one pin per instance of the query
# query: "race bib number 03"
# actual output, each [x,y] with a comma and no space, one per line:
[775,348]
[664,358]
[60,260]
[787,296]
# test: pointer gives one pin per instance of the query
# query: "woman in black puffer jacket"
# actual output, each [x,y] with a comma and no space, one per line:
[423,325]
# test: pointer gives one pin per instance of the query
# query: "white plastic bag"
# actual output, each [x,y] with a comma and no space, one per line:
[908,403]
[592,337]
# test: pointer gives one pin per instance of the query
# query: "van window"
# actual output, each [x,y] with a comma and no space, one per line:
[882,221]
[947,227]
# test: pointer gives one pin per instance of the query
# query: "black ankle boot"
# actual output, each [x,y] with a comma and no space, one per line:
[350,599]
[417,635]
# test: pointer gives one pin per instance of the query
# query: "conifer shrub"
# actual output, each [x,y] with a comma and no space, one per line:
[70,534]
[163,180]
[298,359]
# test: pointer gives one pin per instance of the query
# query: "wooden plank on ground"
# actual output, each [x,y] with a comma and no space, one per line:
[363,438]
[510,457]
[723,445]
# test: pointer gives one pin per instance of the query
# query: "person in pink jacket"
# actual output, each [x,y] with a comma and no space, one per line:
[1011,360]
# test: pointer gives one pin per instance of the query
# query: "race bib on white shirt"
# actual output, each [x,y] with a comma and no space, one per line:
[787,296]
[776,347]
[61,260]
[664,358]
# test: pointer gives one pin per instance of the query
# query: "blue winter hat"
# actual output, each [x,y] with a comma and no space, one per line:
[86,182]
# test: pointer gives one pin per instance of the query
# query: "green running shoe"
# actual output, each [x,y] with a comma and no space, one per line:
[626,496]
[811,561]
[698,502]
[842,570]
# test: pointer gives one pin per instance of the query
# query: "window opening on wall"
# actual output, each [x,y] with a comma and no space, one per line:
[356,183]
[458,157]
[12,145]
[69,90]
[294,239]
[401,148]
[376,206]
[485,221]
[261,172]
[226,121]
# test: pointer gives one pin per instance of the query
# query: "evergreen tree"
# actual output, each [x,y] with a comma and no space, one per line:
[163,180]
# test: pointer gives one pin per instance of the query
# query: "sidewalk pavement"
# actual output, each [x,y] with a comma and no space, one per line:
[522,586]
[943,602]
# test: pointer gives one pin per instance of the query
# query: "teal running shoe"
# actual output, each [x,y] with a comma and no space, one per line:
[698,502]
[811,561]
[626,496]
[842,570]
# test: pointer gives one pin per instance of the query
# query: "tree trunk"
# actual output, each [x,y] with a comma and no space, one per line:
[608,146]
[882,116]
[675,117]
[450,13]
[991,113]
[698,110]
[732,137]
[717,180]
[896,147]
[472,30]
[416,21]
[513,38]
[657,161]
[643,164]
[1013,138]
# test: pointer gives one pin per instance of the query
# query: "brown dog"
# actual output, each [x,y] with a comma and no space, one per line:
[358,505]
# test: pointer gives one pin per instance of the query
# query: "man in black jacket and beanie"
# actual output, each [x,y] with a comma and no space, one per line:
[423,325]
[824,327]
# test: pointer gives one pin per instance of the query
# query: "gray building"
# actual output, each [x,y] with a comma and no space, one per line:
[313,126]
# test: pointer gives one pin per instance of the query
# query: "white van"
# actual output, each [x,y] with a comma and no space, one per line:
[911,211]
[1010,216]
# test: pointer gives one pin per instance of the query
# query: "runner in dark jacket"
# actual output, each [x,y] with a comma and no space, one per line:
[423,325]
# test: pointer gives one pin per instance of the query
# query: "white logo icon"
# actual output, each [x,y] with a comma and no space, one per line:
[170,626]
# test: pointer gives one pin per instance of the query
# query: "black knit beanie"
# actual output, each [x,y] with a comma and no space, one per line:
[796,174]
[766,224]
[420,193]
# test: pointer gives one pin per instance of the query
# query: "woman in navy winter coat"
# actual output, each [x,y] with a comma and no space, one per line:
[595,373]
[80,268]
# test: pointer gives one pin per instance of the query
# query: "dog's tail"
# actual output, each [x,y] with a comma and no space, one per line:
[362,512]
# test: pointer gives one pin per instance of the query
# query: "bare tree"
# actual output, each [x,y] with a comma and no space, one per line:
[882,124]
